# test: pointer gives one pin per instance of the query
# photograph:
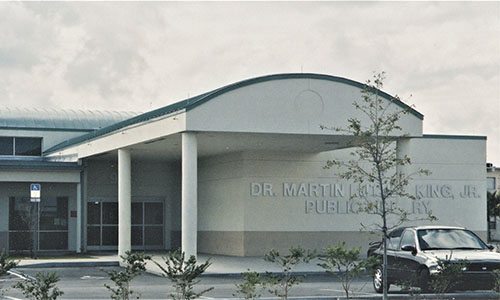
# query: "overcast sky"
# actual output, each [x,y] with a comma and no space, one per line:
[442,57]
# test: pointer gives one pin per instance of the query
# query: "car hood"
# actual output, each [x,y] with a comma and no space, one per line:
[470,255]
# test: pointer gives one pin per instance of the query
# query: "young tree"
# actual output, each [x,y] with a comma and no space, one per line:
[42,287]
[345,264]
[247,289]
[135,266]
[183,274]
[375,161]
[5,265]
[280,284]
[448,276]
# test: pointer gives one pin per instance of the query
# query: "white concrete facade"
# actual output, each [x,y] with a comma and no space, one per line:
[239,171]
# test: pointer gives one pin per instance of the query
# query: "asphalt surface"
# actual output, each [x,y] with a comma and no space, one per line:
[88,283]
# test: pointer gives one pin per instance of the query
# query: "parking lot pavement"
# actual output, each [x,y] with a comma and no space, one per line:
[88,283]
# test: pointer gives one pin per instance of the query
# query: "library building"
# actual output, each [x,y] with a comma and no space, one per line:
[235,171]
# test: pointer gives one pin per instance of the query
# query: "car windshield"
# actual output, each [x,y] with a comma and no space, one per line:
[444,239]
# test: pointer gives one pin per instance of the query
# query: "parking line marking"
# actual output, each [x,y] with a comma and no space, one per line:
[12,298]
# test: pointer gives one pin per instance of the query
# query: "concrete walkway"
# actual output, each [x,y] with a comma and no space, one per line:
[221,265]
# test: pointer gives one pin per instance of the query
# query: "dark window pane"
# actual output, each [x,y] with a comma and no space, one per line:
[94,236]
[20,240]
[54,213]
[153,213]
[53,240]
[136,235]
[110,235]
[22,214]
[109,213]
[28,146]
[6,146]
[94,213]
[137,213]
[153,236]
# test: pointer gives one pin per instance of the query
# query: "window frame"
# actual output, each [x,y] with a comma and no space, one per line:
[14,153]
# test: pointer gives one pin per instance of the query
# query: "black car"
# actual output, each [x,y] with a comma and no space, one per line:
[413,254]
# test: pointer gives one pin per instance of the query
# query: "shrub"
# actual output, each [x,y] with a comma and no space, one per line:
[135,265]
[280,284]
[248,288]
[344,263]
[42,287]
[183,274]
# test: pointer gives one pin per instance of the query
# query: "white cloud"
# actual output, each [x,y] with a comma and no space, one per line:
[142,55]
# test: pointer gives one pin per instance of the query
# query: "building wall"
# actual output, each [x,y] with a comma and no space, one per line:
[295,106]
[250,203]
[221,205]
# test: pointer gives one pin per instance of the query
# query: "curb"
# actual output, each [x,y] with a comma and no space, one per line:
[75,264]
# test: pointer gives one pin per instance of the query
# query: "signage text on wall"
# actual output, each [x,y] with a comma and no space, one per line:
[348,198]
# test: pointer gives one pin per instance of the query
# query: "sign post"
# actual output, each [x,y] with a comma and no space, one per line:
[35,196]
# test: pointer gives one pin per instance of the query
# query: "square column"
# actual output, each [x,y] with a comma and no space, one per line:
[189,206]
[124,201]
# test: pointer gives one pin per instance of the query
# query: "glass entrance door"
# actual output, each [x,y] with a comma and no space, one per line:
[102,225]
[147,225]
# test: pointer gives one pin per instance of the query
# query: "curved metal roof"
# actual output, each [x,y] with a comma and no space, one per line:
[193,102]
[58,119]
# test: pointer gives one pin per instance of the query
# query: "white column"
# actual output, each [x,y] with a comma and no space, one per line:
[189,214]
[124,201]
[79,217]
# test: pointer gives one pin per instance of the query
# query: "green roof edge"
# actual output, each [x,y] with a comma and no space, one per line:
[193,102]
[454,137]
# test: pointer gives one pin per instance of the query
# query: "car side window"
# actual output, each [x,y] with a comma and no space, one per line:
[394,238]
[408,238]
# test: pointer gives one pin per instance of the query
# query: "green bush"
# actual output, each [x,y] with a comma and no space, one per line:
[344,263]
[448,276]
[183,274]
[42,287]
[135,265]
[280,284]
[248,288]
[6,264]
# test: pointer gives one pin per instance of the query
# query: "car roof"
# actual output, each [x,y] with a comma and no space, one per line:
[434,227]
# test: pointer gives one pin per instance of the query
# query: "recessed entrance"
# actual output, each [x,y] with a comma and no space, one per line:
[102,225]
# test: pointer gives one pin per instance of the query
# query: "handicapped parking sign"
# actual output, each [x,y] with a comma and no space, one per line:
[35,191]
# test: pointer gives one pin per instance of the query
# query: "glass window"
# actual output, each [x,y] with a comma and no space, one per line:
[110,235]
[490,183]
[94,213]
[449,239]
[22,240]
[136,236]
[153,236]
[137,213]
[94,235]
[394,238]
[53,240]
[153,213]
[408,239]
[22,214]
[6,146]
[54,213]
[28,146]
[109,213]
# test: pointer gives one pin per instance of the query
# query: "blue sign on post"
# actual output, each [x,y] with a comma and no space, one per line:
[35,191]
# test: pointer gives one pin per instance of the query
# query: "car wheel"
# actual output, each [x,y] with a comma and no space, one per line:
[424,279]
[378,280]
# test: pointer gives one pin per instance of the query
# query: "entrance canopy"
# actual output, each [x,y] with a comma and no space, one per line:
[274,113]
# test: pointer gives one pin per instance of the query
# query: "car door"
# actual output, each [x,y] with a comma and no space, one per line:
[406,260]
[392,249]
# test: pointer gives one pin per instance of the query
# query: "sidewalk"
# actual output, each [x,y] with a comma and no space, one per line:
[221,265]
